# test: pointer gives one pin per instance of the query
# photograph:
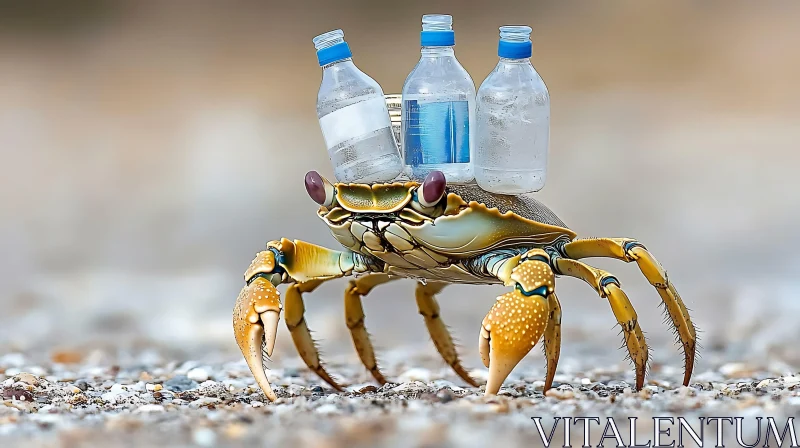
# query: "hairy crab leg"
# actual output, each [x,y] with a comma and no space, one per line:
[518,319]
[301,335]
[629,250]
[354,316]
[257,309]
[429,309]
[608,287]
[552,339]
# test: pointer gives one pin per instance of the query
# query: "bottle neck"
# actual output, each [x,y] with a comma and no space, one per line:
[342,62]
[517,61]
[433,52]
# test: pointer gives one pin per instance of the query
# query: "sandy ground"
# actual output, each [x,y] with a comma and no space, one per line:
[147,401]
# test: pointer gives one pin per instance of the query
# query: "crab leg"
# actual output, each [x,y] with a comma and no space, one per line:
[629,250]
[518,318]
[257,309]
[552,339]
[301,335]
[608,287]
[429,309]
[354,316]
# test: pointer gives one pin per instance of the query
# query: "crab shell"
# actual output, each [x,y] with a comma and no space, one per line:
[390,222]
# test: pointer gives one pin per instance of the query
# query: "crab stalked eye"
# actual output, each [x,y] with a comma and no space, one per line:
[432,189]
[320,190]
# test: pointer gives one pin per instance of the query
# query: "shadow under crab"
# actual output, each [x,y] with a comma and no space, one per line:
[438,234]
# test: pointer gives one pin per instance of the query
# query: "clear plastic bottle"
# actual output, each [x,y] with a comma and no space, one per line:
[353,116]
[512,120]
[438,107]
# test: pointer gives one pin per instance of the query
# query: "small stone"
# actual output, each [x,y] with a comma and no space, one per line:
[17,394]
[198,374]
[368,389]
[235,430]
[82,385]
[180,383]
[327,409]
[791,380]
[736,370]
[27,378]
[153,387]
[560,394]
[316,389]
[538,385]
[445,395]
[204,437]
[415,374]
[66,357]
[78,399]
[150,408]
[205,402]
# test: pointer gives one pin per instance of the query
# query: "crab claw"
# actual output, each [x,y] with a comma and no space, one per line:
[514,325]
[255,325]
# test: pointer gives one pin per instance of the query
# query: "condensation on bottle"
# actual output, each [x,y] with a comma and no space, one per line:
[353,116]
[438,107]
[512,120]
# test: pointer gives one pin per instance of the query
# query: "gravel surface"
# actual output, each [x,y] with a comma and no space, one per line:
[149,402]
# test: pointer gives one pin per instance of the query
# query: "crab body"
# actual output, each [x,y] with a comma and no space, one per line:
[440,234]
[444,242]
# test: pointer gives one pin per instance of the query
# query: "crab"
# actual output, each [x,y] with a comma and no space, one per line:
[439,234]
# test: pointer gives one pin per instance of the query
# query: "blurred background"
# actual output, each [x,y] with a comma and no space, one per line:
[148,150]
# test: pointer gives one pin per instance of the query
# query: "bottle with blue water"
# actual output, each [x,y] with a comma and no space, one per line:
[353,116]
[512,120]
[438,107]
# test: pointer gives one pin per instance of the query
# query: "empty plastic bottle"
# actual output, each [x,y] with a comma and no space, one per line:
[438,107]
[353,116]
[512,120]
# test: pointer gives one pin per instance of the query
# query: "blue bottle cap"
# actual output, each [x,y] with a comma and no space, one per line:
[331,47]
[437,31]
[515,42]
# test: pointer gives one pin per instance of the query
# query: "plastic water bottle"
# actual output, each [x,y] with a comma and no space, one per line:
[438,107]
[512,120]
[352,114]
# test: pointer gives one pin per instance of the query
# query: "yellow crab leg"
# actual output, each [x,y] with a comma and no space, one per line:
[608,287]
[518,318]
[552,339]
[628,250]
[301,335]
[429,309]
[354,316]
[257,309]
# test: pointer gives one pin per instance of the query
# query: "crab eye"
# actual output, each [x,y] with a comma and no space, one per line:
[320,190]
[432,189]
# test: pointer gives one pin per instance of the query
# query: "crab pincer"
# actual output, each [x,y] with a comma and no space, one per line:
[255,318]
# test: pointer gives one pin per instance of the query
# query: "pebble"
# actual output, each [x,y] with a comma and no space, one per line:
[204,437]
[327,409]
[198,374]
[791,380]
[123,402]
[150,408]
[180,383]
[27,378]
[415,374]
